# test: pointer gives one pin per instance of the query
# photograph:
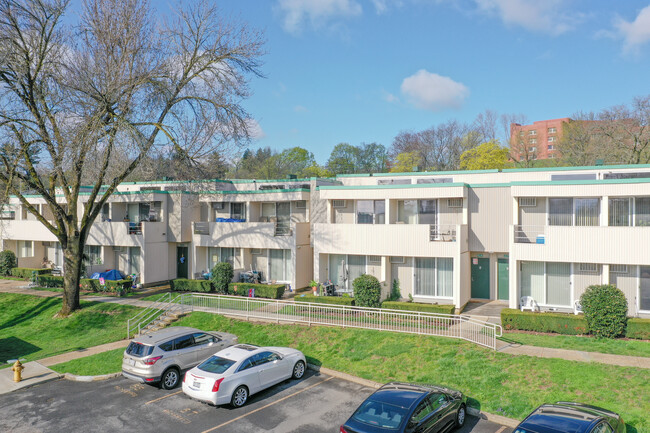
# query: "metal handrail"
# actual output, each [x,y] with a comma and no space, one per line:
[529,234]
[442,232]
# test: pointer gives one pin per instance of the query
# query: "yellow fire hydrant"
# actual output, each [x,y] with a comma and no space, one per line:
[18,371]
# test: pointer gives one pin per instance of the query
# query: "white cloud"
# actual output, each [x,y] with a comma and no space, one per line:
[300,109]
[255,129]
[635,33]
[545,16]
[389,97]
[434,92]
[318,12]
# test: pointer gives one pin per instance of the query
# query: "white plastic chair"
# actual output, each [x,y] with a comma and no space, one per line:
[577,308]
[528,303]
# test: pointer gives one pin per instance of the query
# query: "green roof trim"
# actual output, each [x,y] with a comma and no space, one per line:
[419,173]
[410,185]
[587,167]
[579,182]
[262,191]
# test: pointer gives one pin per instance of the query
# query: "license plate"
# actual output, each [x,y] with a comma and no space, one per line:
[197,384]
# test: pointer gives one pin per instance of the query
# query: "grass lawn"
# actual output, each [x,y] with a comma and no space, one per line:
[587,344]
[94,365]
[29,330]
[496,382]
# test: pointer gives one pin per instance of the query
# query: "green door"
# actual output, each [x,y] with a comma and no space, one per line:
[503,279]
[480,278]
[181,262]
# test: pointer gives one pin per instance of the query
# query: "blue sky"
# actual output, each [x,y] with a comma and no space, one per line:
[363,70]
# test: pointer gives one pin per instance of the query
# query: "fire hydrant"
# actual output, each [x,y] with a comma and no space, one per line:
[18,370]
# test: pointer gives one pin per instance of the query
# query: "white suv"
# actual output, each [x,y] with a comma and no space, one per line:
[162,356]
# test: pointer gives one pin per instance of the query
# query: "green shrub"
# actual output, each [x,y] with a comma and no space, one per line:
[7,262]
[395,292]
[27,272]
[638,328]
[109,286]
[45,280]
[335,300]
[413,306]
[605,309]
[543,322]
[271,291]
[222,274]
[185,285]
[367,291]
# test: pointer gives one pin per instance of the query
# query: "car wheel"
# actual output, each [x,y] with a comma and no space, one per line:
[298,370]
[240,396]
[170,378]
[460,416]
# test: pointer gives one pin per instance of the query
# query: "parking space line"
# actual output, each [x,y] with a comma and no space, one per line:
[163,397]
[501,429]
[270,404]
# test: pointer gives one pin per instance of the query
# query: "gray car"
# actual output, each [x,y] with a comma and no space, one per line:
[162,356]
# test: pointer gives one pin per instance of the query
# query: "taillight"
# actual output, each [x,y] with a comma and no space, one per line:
[185,377]
[342,430]
[217,382]
[151,361]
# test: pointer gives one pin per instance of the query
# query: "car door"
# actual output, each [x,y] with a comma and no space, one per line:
[272,369]
[184,351]
[421,420]
[444,412]
[206,345]
[248,374]
[602,427]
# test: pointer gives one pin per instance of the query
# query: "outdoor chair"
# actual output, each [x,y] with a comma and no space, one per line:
[528,303]
[577,308]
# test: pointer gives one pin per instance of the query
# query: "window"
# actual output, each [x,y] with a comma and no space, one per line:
[532,141]
[619,212]
[183,342]
[433,276]
[257,251]
[552,139]
[93,255]
[238,211]
[397,259]
[583,176]
[552,130]
[527,201]
[280,265]
[591,268]
[217,254]
[106,213]
[532,132]
[587,211]
[551,147]
[25,249]
[201,338]
[421,412]
[134,260]
[374,260]
[547,283]
[338,203]
[455,202]
[551,156]
[394,182]
[407,211]
[427,212]
[618,269]
[435,180]
[560,211]
[301,204]
[371,211]
[642,211]
[603,427]
[218,205]
[578,212]
[644,288]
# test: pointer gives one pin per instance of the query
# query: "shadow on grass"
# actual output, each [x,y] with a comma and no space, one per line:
[630,429]
[14,348]
[314,361]
[32,313]
[473,403]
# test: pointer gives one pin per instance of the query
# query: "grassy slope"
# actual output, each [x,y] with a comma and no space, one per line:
[29,330]
[101,363]
[587,344]
[502,384]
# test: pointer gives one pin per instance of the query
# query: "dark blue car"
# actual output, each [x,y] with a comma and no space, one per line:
[567,417]
[404,407]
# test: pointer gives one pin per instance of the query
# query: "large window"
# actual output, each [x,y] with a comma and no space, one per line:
[547,283]
[238,211]
[371,211]
[644,288]
[280,265]
[93,255]
[579,211]
[642,211]
[217,254]
[417,211]
[134,260]
[343,269]
[25,249]
[619,212]
[434,277]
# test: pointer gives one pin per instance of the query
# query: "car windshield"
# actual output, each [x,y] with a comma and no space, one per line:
[139,350]
[380,414]
[216,364]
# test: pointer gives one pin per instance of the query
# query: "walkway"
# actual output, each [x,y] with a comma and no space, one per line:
[9,286]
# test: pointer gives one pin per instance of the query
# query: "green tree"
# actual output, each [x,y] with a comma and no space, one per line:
[486,156]
[343,159]
[406,162]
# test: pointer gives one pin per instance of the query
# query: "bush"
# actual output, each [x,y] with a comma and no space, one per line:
[395,292]
[367,291]
[638,328]
[109,286]
[185,285]
[413,306]
[45,280]
[568,324]
[27,272]
[271,291]
[605,309]
[222,274]
[335,300]
[7,262]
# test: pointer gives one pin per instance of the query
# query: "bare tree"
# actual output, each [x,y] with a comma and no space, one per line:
[523,149]
[627,128]
[119,83]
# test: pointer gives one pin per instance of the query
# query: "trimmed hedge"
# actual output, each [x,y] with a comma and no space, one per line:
[335,300]
[27,272]
[568,324]
[114,286]
[7,262]
[49,281]
[185,285]
[367,291]
[270,291]
[222,274]
[414,306]
[638,328]
[605,308]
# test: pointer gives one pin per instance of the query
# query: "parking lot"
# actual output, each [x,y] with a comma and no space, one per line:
[318,403]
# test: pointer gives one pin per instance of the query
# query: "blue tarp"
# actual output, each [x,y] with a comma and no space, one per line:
[112,275]
[230,220]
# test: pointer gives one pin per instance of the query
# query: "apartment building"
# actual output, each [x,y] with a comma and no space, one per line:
[538,140]
[446,237]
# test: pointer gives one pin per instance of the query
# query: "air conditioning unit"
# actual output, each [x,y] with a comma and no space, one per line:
[219,205]
[301,204]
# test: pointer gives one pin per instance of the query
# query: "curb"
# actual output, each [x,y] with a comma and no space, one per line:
[75,378]
[508,422]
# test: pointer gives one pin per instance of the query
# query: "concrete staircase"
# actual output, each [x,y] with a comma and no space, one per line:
[165,319]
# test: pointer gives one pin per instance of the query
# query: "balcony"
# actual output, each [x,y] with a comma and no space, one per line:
[250,234]
[596,244]
[422,240]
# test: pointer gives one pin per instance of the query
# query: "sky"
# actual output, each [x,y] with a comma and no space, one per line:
[361,71]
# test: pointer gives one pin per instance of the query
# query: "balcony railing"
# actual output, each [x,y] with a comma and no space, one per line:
[203,228]
[442,233]
[530,234]
[282,230]
[135,228]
